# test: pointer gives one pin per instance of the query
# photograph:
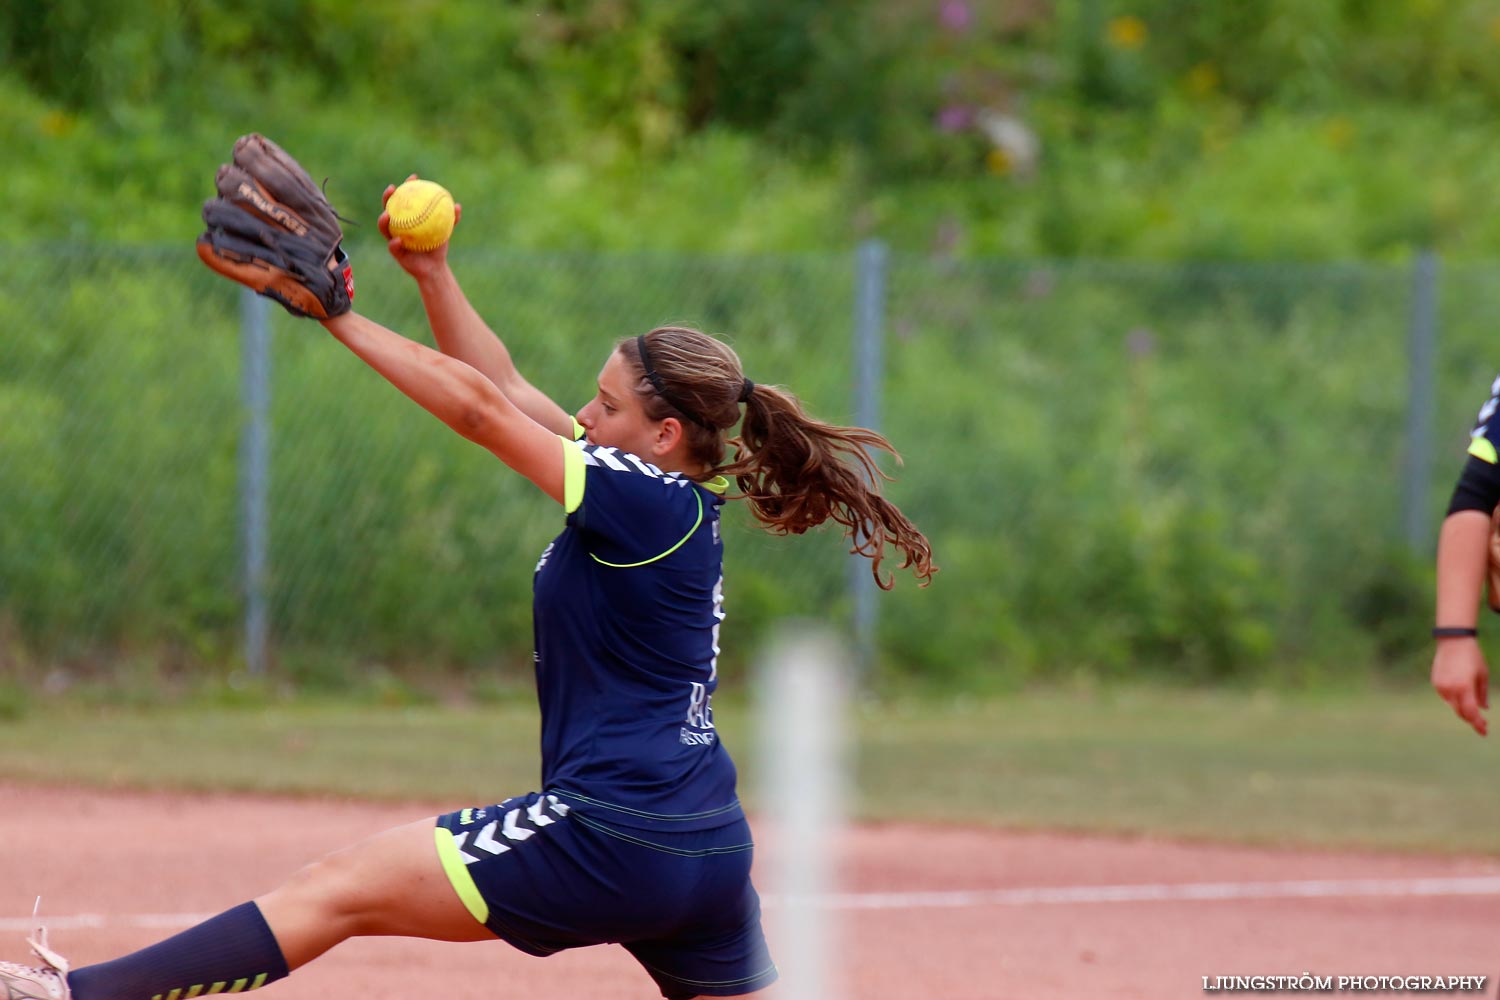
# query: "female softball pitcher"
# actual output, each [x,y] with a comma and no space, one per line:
[1459,671]
[636,835]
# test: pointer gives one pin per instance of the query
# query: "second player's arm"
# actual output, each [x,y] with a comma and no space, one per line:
[1463,558]
[459,395]
[462,333]
[1459,672]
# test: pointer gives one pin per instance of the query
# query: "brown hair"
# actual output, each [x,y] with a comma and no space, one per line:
[796,471]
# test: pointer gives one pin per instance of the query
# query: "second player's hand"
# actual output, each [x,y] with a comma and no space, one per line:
[417,264]
[1461,677]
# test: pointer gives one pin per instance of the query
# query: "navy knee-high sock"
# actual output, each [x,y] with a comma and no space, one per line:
[230,953]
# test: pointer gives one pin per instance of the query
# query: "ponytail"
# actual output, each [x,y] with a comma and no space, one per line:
[797,472]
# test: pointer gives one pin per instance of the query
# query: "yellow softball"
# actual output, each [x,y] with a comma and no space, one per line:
[421,215]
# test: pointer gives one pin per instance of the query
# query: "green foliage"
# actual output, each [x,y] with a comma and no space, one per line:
[1131,505]
[1260,129]
[1127,467]
[15,700]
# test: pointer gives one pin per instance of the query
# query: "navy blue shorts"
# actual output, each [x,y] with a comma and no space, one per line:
[545,877]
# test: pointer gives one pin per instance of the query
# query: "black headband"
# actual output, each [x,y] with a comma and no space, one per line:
[661,387]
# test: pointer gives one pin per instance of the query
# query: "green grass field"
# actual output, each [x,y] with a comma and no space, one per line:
[1389,770]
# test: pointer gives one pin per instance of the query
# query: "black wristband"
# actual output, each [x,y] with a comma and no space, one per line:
[1454,633]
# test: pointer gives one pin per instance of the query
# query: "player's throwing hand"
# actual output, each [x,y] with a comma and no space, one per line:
[417,263]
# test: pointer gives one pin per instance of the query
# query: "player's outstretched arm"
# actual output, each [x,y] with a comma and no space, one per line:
[1459,671]
[462,333]
[460,396]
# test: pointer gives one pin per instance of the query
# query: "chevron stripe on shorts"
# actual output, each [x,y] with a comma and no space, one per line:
[517,825]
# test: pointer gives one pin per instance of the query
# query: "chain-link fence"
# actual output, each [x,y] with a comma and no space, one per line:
[1192,468]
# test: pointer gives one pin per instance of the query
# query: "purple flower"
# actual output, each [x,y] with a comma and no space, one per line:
[955,118]
[955,15]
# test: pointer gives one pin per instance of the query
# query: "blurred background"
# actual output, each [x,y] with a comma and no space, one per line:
[1177,311]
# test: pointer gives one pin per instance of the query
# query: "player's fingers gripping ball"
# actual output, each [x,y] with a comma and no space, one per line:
[421,215]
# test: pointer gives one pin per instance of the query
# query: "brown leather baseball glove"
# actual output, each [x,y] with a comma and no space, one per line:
[272,230]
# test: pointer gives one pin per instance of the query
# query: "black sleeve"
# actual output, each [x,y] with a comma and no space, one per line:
[1478,487]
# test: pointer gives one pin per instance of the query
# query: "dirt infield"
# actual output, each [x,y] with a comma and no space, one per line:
[960,914]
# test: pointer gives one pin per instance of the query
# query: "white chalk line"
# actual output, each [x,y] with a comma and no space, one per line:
[1191,892]
[1083,895]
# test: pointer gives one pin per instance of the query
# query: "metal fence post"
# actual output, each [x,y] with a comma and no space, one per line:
[871,262]
[255,457]
[1417,529]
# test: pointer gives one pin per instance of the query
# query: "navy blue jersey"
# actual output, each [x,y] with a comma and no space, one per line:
[627,606]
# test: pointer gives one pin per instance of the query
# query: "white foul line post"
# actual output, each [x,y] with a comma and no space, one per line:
[804,693]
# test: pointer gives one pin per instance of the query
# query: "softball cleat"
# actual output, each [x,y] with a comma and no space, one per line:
[25,982]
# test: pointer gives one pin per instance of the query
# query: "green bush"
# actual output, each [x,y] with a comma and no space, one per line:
[1183,470]
[1262,129]
[1184,467]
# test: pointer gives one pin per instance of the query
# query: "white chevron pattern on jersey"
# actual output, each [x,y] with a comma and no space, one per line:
[607,457]
[485,841]
[624,461]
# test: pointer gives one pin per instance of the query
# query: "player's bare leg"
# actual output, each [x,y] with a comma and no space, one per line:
[391,884]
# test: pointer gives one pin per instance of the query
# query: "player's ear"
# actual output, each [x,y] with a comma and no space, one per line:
[668,435]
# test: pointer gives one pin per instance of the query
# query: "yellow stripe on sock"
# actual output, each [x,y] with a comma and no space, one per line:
[260,981]
[218,987]
[239,984]
[193,992]
[174,994]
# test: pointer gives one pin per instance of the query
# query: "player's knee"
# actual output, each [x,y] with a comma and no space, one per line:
[332,888]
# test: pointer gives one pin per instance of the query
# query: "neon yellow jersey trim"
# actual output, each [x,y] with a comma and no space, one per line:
[578,431]
[647,562]
[1481,447]
[574,475]
[458,875]
[717,485]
